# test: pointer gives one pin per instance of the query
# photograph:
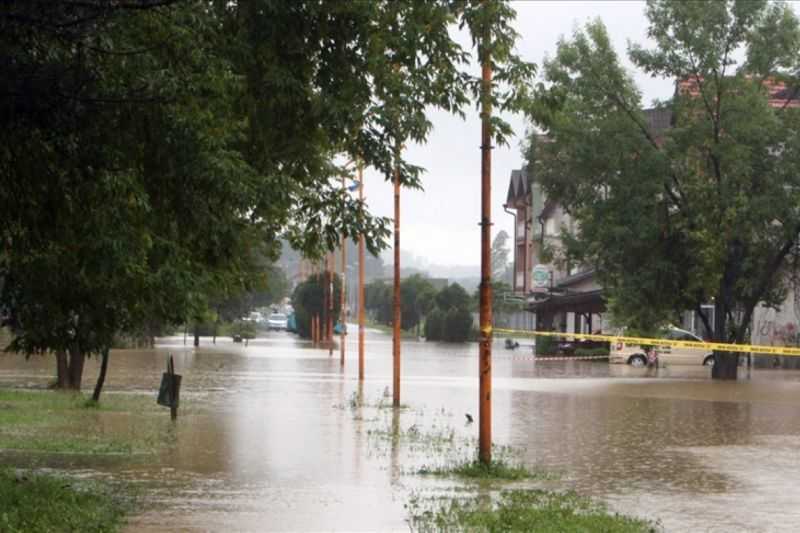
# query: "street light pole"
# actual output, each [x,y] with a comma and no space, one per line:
[397,311]
[342,301]
[485,350]
[361,281]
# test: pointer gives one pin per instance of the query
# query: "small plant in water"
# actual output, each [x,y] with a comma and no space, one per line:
[519,510]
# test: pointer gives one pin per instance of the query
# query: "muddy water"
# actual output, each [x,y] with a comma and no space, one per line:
[266,439]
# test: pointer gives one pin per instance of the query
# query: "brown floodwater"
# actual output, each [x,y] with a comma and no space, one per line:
[267,438]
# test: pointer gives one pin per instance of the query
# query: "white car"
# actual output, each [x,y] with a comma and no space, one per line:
[277,321]
[634,354]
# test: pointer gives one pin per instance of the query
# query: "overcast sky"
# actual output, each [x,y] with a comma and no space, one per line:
[441,223]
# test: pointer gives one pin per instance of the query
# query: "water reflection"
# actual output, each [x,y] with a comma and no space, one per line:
[268,439]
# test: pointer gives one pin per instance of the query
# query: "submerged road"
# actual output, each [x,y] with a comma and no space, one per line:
[271,437]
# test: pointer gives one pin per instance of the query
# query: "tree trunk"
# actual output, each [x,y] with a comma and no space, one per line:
[62,370]
[101,378]
[196,337]
[726,364]
[76,360]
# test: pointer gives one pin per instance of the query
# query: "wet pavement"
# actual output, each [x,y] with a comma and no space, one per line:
[268,437]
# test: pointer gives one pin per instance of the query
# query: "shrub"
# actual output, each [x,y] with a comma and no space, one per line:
[434,325]
[457,325]
[546,345]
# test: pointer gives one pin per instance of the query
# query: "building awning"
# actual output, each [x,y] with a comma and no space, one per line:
[577,302]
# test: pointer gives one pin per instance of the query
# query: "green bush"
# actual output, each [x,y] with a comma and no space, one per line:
[457,325]
[546,345]
[434,325]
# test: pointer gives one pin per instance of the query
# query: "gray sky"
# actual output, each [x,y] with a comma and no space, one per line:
[441,223]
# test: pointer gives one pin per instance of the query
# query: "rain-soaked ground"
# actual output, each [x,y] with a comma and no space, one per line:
[268,440]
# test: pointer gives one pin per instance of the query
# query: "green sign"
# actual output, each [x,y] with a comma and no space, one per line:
[541,276]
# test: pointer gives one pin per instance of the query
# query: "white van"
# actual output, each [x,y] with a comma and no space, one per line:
[635,355]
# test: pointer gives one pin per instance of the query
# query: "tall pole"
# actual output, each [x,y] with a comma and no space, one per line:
[361,282]
[342,301]
[397,312]
[485,356]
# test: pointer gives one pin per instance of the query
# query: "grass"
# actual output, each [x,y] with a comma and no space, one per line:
[33,502]
[498,469]
[68,423]
[521,510]
[487,503]
[404,334]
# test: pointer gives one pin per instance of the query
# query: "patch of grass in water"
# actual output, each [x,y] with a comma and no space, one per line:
[521,510]
[70,423]
[35,502]
[497,469]
[357,401]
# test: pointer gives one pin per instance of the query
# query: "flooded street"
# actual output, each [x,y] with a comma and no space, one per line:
[268,437]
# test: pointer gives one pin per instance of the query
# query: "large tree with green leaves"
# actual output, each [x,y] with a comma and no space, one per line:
[705,210]
[152,150]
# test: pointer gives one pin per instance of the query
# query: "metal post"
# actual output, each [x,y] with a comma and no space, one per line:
[342,301]
[361,299]
[485,356]
[173,407]
[331,262]
[397,311]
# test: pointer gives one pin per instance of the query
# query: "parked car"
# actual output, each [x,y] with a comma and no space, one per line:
[277,321]
[636,355]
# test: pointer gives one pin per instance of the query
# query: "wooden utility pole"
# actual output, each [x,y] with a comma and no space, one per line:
[485,350]
[342,301]
[331,276]
[361,282]
[397,311]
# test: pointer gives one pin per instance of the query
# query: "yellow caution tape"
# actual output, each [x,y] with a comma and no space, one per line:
[713,346]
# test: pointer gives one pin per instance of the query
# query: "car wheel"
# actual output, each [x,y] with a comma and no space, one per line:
[637,360]
[708,361]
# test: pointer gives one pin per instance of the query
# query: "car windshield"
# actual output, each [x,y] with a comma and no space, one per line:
[277,317]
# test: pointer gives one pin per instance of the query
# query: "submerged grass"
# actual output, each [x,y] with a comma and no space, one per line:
[498,469]
[35,502]
[521,510]
[57,422]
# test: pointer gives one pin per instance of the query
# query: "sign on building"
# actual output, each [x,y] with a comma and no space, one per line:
[540,278]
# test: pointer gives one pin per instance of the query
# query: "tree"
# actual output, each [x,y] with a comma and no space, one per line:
[414,291]
[307,301]
[378,301]
[452,296]
[705,210]
[457,325]
[153,149]
[500,252]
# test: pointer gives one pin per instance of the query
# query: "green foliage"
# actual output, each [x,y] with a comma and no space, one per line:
[308,301]
[378,301]
[521,510]
[434,325]
[415,297]
[38,502]
[244,329]
[452,297]
[457,325]
[495,470]
[152,157]
[704,210]
[546,345]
